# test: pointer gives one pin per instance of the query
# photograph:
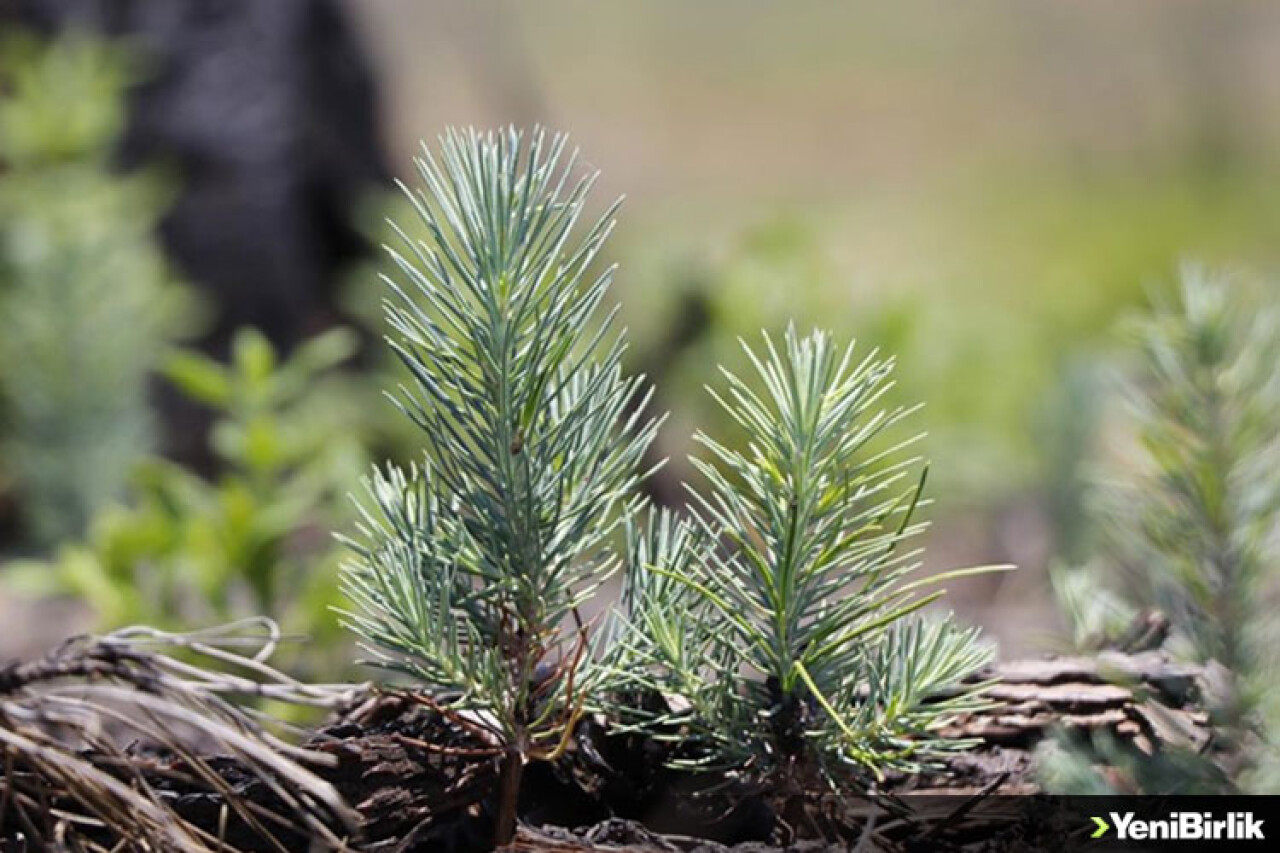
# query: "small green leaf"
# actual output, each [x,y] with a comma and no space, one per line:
[261,446]
[254,358]
[200,378]
[324,351]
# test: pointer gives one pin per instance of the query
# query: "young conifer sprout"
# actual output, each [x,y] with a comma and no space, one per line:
[468,570]
[1195,527]
[781,621]
[1190,533]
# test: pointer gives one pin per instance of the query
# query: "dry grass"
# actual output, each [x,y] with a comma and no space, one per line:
[107,742]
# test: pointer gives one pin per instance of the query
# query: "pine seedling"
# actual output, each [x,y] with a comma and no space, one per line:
[1191,524]
[469,568]
[782,622]
[1195,527]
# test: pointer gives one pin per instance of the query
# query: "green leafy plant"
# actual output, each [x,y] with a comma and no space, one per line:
[78,265]
[253,541]
[1191,527]
[469,569]
[783,616]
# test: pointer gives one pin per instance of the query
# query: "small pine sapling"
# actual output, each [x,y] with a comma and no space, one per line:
[1190,530]
[781,620]
[1199,522]
[469,568]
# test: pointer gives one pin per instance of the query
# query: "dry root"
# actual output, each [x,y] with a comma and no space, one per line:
[107,745]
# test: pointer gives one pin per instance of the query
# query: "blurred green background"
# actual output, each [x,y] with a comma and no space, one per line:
[984,189]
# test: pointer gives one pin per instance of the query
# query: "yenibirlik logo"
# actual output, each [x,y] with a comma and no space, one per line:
[1181,826]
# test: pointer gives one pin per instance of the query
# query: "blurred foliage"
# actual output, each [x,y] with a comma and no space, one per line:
[1096,615]
[997,290]
[255,541]
[1066,425]
[1190,526]
[1102,766]
[84,290]
[63,100]
[999,296]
